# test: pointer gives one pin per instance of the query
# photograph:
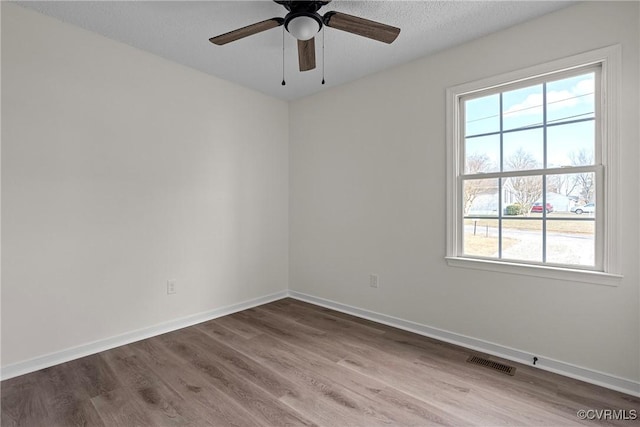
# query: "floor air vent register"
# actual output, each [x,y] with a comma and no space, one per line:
[500,367]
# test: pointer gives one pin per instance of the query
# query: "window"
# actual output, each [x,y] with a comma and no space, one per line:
[532,182]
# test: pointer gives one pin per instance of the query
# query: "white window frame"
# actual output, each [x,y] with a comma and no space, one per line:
[608,237]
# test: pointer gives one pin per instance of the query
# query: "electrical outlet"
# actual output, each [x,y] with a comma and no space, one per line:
[171,287]
[373,280]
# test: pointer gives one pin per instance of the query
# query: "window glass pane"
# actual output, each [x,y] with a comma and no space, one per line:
[523,191]
[480,237]
[482,154]
[571,144]
[571,99]
[531,130]
[571,242]
[523,150]
[480,197]
[522,107]
[572,194]
[482,115]
[522,240]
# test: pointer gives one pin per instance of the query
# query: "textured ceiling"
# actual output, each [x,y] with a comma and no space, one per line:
[179,31]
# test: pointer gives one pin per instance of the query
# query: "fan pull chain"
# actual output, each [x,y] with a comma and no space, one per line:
[323,30]
[283,82]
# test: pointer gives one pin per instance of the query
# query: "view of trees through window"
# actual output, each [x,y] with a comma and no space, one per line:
[531,172]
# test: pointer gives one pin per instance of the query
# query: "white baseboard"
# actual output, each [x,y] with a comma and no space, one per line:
[51,359]
[584,374]
[562,368]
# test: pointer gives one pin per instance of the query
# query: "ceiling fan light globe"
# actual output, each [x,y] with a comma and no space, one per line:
[303,27]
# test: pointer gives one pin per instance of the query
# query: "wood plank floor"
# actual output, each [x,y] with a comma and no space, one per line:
[292,363]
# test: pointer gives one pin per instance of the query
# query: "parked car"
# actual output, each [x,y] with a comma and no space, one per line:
[588,208]
[537,207]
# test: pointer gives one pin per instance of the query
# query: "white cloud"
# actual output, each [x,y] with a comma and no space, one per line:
[584,86]
[532,105]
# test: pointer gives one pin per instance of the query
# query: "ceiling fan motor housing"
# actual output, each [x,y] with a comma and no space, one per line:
[297,5]
[303,15]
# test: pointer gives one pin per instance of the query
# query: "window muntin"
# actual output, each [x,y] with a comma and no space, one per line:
[530,155]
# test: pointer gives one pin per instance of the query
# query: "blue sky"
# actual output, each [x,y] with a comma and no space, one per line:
[567,99]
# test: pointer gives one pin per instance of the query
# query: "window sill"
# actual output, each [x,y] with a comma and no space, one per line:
[548,272]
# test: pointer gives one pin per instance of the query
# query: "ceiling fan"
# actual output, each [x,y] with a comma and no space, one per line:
[304,22]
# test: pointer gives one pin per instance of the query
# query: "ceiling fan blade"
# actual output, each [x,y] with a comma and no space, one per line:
[249,30]
[362,27]
[307,54]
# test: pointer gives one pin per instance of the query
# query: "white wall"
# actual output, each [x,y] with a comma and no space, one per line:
[121,170]
[367,195]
